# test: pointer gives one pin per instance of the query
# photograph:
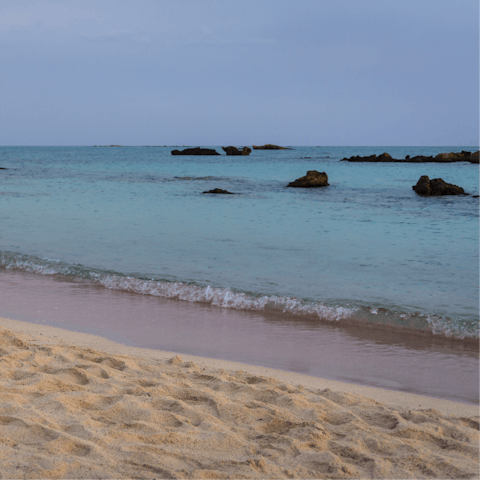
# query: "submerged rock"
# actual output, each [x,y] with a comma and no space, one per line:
[312,179]
[219,190]
[236,151]
[269,146]
[435,187]
[195,151]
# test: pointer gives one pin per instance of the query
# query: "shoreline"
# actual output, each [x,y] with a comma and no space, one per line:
[357,316]
[52,335]
[376,357]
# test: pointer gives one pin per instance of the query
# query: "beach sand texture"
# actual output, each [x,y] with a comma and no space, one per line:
[69,411]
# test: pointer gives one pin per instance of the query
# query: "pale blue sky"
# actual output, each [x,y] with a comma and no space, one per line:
[203,72]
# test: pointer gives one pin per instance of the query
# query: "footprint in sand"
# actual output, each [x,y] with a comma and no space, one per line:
[379,418]
[71,375]
[110,362]
[18,375]
[69,447]
[20,432]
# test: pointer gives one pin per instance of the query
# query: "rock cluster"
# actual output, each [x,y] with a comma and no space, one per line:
[219,190]
[236,151]
[269,146]
[435,187]
[440,158]
[315,179]
[195,151]
[424,186]
[312,179]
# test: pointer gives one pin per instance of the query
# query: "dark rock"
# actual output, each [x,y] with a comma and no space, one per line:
[3,168]
[440,187]
[385,157]
[236,151]
[423,186]
[195,151]
[473,158]
[358,158]
[421,159]
[219,190]
[440,158]
[312,179]
[436,187]
[269,146]
[450,157]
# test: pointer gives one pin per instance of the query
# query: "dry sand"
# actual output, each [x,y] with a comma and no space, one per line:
[78,406]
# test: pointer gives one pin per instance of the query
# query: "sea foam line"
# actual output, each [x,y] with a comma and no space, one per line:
[225,298]
[219,297]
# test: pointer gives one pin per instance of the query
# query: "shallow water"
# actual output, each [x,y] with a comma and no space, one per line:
[382,358]
[366,247]
[362,281]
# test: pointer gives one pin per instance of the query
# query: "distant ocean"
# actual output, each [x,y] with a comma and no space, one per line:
[364,249]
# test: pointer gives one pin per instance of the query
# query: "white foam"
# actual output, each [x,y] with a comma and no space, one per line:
[452,329]
[33,267]
[224,297]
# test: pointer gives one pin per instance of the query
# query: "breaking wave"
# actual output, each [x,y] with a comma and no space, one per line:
[226,298]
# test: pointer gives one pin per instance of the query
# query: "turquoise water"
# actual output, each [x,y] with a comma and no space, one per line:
[366,248]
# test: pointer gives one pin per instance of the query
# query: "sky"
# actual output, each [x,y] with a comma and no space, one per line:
[225,72]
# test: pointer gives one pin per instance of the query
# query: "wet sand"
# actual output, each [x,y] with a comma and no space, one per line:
[74,405]
[394,360]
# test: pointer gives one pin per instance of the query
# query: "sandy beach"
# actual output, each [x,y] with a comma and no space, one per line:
[239,239]
[75,405]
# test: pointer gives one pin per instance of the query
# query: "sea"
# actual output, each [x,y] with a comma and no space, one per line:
[363,280]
